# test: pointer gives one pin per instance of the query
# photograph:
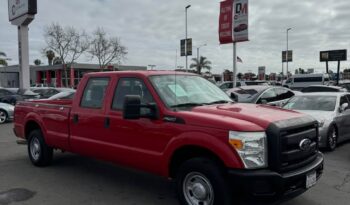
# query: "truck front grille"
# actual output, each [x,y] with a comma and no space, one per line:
[284,138]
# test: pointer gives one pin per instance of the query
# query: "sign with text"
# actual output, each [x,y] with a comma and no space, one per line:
[233,21]
[226,22]
[284,56]
[18,8]
[186,47]
[240,20]
[261,72]
[335,55]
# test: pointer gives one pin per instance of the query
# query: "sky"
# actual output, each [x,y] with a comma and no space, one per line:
[152,29]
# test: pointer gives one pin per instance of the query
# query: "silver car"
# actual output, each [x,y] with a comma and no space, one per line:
[6,112]
[332,112]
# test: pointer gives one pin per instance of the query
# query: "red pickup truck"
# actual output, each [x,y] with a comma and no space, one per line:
[180,126]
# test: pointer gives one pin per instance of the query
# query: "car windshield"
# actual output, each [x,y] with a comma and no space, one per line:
[182,90]
[322,103]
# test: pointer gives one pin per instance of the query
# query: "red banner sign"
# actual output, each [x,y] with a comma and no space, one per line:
[225,22]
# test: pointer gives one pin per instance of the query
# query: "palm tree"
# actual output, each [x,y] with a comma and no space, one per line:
[3,60]
[50,56]
[200,64]
[37,62]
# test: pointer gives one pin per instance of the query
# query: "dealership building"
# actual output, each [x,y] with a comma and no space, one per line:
[56,75]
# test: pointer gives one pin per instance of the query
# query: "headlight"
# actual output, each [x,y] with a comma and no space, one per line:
[251,147]
[321,123]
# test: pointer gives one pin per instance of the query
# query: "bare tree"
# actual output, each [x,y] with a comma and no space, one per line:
[106,49]
[68,43]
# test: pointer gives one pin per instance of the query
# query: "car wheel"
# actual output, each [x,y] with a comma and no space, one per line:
[40,154]
[332,138]
[3,116]
[201,181]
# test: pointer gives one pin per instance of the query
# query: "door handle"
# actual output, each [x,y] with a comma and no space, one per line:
[75,118]
[107,122]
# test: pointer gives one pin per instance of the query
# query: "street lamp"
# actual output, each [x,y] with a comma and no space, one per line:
[187,7]
[287,50]
[198,50]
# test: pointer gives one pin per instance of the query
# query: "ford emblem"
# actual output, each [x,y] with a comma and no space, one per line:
[305,144]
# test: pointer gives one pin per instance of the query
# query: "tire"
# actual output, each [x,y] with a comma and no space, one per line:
[202,180]
[3,116]
[40,154]
[332,138]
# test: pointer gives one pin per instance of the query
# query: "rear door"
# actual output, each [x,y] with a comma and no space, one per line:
[88,118]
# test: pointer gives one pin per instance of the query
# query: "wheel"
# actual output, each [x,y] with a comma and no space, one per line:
[40,154]
[332,138]
[3,116]
[200,181]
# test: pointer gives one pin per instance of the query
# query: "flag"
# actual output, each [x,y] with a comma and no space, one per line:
[239,60]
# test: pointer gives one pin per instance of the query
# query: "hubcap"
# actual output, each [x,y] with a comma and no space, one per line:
[198,190]
[35,148]
[2,117]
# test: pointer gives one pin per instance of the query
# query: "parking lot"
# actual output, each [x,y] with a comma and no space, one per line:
[74,179]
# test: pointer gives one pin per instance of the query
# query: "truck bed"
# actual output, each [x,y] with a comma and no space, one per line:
[53,117]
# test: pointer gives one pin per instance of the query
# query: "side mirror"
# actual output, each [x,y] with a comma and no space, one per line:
[234,97]
[344,107]
[264,102]
[133,109]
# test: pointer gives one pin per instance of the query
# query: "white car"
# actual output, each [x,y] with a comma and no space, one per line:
[6,112]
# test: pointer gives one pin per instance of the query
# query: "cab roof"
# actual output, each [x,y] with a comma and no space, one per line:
[138,72]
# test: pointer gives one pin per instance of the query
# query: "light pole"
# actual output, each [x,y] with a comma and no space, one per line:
[287,51]
[187,7]
[198,50]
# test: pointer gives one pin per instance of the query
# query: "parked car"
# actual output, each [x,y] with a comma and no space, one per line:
[345,84]
[229,84]
[322,88]
[180,126]
[47,92]
[332,112]
[275,96]
[65,95]
[9,97]
[6,112]
[299,81]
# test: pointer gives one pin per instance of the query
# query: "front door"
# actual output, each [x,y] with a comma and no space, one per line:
[138,143]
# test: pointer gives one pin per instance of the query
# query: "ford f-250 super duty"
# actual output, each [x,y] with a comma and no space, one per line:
[180,126]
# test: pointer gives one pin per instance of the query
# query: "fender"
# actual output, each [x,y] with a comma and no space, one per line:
[32,116]
[214,144]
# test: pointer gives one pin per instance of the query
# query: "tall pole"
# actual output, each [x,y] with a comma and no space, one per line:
[188,6]
[287,51]
[234,65]
[23,53]
[198,50]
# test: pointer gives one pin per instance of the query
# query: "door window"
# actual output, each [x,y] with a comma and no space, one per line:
[283,94]
[131,86]
[94,93]
[343,100]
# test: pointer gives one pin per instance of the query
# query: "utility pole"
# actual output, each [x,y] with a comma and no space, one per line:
[287,51]
[187,7]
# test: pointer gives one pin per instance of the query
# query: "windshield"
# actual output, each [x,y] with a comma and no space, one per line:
[190,90]
[322,103]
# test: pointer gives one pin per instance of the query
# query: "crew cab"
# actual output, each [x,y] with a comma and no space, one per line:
[180,126]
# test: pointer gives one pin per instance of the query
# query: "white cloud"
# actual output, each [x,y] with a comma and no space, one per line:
[152,29]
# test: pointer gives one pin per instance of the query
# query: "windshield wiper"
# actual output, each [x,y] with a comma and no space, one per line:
[218,102]
[187,105]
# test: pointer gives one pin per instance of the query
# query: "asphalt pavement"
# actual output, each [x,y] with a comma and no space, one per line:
[74,179]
